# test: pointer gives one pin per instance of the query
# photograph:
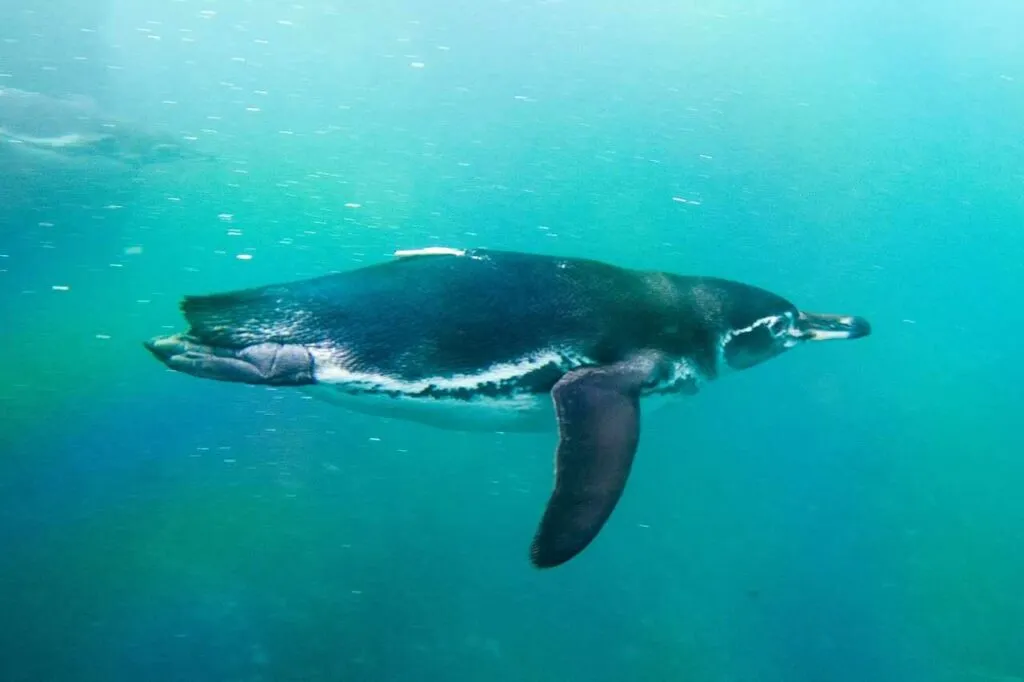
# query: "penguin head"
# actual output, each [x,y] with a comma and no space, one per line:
[753,340]
[763,337]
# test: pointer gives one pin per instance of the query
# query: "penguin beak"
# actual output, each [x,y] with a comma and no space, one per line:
[820,327]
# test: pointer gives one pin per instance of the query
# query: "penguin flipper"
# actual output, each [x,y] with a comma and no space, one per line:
[598,411]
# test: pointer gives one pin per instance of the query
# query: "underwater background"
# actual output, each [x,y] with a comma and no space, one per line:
[848,513]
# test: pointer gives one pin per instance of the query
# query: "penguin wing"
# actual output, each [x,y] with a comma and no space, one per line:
[598,412]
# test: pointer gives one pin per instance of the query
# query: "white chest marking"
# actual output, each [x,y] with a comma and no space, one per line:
[330,368]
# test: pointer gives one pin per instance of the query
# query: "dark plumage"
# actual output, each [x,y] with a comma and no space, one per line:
[509,332]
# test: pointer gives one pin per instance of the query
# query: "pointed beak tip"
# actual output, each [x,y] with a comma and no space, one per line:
[860,328]
[820,327]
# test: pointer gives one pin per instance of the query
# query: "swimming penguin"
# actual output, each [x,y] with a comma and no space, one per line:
[489,339]
[40,134]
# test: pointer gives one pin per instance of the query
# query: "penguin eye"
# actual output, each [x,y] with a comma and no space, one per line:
[778,326]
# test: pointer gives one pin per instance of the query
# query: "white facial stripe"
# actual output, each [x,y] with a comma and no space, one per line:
[731,334]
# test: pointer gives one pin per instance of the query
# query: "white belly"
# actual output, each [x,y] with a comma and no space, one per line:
[523,414]
[380,395]
[532,414]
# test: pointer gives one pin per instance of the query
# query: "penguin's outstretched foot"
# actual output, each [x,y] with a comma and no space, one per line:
[270,364]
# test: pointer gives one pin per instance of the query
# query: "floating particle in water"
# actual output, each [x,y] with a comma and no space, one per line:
[226,217]
[244,256]
[353,205]
[132,250]
[417,65]
[61,287]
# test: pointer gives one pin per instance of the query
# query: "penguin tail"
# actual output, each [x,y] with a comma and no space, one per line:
[246,317]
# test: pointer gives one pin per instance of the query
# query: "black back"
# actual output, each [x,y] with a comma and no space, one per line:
[420,316]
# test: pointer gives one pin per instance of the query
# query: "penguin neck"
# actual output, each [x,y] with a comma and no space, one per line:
[684,311]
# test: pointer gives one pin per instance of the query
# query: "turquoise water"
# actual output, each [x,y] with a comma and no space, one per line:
[844,513]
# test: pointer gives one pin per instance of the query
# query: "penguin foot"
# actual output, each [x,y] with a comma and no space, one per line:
[271,364]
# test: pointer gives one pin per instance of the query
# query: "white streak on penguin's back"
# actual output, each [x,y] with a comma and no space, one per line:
[430,251]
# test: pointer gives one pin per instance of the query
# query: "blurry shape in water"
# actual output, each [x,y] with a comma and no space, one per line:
[39,133]
[481,339]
